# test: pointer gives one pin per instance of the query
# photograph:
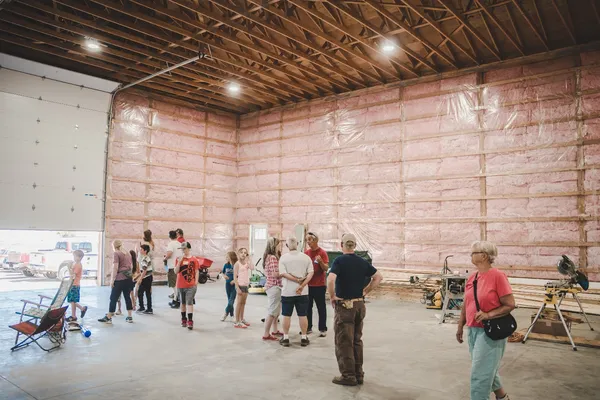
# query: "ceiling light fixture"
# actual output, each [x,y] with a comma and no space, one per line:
[388,47]
[234,88]
[92,44]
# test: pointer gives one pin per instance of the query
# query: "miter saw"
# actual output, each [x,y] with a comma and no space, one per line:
[556,291]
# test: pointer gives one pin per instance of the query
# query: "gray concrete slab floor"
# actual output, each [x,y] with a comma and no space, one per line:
[408,356]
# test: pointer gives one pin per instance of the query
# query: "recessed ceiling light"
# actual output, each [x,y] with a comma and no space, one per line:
[388,47]
[92,44]
[233,88]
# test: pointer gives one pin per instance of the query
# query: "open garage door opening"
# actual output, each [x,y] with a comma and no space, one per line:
[33,260]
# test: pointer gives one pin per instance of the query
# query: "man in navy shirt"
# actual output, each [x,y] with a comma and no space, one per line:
[346,287]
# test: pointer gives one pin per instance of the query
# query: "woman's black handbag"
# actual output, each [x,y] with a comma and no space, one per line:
[497,328]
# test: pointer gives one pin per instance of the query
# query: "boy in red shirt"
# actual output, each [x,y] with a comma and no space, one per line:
[76,271]
[317,286]
[187,283]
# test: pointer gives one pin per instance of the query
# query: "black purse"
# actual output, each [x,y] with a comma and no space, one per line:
[497,328]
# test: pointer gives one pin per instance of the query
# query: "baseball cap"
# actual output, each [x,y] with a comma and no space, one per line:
[185,245]
[348,237]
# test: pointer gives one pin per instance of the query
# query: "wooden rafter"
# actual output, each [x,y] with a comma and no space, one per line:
[408,29]
[447,4]
[240,28]
[214,98]
[323,35]
[438,28]
[539,17]
[595,9]
[160,48]
[506,33]
[360,19]
[564,21]
[304,42]
[531,25]
[231,38]
[301,4]
[152,33]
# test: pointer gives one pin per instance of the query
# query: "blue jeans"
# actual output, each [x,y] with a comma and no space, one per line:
[231,293]
[486,355]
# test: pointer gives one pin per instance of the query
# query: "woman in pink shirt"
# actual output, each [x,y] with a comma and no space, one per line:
[495,300]
[272,287]
[241,277]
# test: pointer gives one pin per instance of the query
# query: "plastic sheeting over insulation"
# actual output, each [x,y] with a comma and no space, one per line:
[420,172]
[170,167]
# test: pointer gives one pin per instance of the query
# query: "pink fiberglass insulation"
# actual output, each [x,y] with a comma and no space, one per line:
[171,167]
[420,172]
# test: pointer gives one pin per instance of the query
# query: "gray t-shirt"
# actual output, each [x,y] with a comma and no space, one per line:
[296,264]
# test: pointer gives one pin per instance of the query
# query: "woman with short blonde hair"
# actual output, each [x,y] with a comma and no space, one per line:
[495,299]
[120,282]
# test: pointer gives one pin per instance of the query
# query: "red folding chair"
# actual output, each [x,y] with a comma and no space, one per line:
[51,325]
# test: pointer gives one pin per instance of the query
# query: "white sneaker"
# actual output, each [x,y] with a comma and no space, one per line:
[322,334]
[224,317]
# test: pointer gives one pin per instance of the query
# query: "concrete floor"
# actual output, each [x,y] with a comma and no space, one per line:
[408,357]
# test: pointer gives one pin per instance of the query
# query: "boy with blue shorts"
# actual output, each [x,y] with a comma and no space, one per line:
[76,271]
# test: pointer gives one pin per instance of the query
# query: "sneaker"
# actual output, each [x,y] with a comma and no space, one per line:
[129,319]
[106,320]
[184,323]
[322,334]
[175,304]
[190,325]
[339,380]
[224,317]
[284,342]
[171,296]
[141,309]
[240,325]
[308,332]
[304,342]
[148,312]
[119,313]
[72,319]
[245,323]
[84,311]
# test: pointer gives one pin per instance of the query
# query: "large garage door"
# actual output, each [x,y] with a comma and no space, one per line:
[53,148]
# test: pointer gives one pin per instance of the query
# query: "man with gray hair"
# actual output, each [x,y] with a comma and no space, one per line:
[296,270]
[346,287]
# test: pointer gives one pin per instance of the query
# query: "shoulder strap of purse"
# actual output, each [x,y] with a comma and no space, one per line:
[475,291]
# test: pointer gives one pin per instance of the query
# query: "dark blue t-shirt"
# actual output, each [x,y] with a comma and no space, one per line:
[228,270]
[352,272]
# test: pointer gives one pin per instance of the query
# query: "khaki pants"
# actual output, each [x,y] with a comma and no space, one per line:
[348,326]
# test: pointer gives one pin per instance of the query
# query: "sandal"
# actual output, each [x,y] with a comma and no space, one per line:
[278,333]
[270,337]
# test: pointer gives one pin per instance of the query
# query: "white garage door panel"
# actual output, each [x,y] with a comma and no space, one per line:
[37,179]
[52,91]
[52,209]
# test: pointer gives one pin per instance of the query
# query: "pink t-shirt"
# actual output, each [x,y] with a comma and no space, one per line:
[490,287]
[244,273]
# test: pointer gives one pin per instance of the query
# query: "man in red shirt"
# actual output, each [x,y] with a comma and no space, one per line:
[317,286]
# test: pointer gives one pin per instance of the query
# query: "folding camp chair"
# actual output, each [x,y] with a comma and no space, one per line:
[36,311]
[51,325]
[39,310]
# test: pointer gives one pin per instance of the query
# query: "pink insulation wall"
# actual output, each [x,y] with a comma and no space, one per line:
[419,172]
[170,167]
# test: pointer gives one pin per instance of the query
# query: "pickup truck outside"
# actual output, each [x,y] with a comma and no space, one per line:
[54,263]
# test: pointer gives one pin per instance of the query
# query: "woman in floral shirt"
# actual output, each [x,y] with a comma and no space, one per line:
[273,287]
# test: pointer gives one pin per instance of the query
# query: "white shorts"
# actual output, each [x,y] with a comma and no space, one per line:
[274,298]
